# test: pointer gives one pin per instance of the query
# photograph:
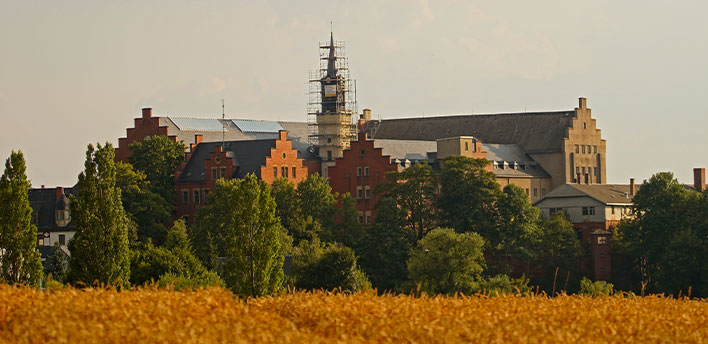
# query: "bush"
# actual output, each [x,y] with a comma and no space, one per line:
[594,289]
[503,284]
[52,284]
[177,282]
[318,267]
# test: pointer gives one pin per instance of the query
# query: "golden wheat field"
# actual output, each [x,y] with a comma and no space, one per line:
[215,316]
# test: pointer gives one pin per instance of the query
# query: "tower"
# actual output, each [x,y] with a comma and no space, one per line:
[332,104]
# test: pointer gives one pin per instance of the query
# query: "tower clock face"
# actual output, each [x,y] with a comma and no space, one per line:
[330,90]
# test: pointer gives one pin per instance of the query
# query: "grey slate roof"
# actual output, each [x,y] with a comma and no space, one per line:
[248,156]
[607,194]
[512,161]
[44,204]
[408,149]
[534,131]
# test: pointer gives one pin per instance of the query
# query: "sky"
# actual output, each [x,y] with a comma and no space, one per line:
[78,72]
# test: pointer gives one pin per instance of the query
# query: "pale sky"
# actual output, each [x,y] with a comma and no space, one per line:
[78,72]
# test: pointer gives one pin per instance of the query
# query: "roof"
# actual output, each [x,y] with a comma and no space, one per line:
[608,194]
[510,160]
[248,157]
[412,150]
[185,128]
[534,131]
[44,204]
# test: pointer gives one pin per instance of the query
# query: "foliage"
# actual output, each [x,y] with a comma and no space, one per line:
[518,228]
[348,230]
[468,193]
[20,262]
[503,284]
[595,289]
[558,243]
[414,191]
[158,158]
[213,315]
[57,264]
[175,258]
[99,249]
[53,285]
[179,282]
[386,246]
[445,262]
[329,267]
[147,209]
[289,211]
[317,201]
[251,235]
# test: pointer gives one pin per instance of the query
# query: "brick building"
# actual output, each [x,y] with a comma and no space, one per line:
[207,162]
[50,213]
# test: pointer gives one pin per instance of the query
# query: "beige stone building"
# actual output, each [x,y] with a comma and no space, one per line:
[566,145]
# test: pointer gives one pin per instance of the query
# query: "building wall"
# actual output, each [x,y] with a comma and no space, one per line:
[584,149]
[283,156]
[535,187]
[146,126]
[344,175]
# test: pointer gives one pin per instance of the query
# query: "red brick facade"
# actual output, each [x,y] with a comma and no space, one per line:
[283,162]
[360,169]
[147,126]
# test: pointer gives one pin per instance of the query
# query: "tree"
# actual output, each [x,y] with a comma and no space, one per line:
[158,157]
[386,246]
[57,263]
[413,190]
[290,213]
[348,230]
[174,259]
[557,248]
[251,234]
[99,249]
[20,262]
[148,210]
[328,267]
[517,229]
[468,193]
[445,262]
[317,200]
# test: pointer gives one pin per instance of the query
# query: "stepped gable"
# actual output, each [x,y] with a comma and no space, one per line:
[536,132]
[248,156]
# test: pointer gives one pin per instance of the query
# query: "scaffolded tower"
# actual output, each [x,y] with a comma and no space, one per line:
[332,103]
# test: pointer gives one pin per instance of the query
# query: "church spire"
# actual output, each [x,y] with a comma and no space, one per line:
[331,60]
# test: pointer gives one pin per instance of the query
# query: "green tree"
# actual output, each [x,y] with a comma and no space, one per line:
[517,229]
[20,262]
[348,230]
[595,289]
[557,248]
[328,267]
[290,213]
[57,263]
[253,263]
[468,193]
[445,262]
[148,210]
[318,201]
[99,249]
[386,246]
[158,157]
[414,191]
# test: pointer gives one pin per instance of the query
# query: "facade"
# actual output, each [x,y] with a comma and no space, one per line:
[566,144]
[50,213]
[208,162]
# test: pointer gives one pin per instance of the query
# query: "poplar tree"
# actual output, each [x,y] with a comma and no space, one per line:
[20,262]
[253,263]
[99,249]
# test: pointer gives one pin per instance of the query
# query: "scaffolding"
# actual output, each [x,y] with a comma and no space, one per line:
[327,127]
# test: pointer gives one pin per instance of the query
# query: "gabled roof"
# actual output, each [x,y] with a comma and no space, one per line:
[512,161]
[608,194]
[535,131]
[44,205]
[415,151]
[248,157]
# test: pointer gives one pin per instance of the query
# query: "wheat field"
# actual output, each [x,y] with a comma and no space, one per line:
[215,316]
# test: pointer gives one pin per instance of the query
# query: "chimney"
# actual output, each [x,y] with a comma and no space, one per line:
[366,116]
[582,103]
[42,186]
[283,135]
[59,192]
[147,113]
[631,186]
[198,138]
[699,179]
[191,147]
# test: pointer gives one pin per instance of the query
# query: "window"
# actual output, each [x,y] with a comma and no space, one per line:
[361,217]
[577,169]
[284,172]
[359,192]
[577,148]
[366,171]
[535,192]
[588,210]
[196,196]
[585,210]
[592,210]
[358,171]
[613,210]
[367,219]
[583,149]
[62,239]
[294,173]
[185,197]
[527,192]
[206,194]
[543,191]
[361,152]
[552,211]
[367,192]
[467,146]
[329,155]
[275,171]
[214,173]
[594,149]
[585,125]
[602,240]
[284,156]
[223,172]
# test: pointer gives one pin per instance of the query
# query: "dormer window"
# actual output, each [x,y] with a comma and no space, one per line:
[62,218]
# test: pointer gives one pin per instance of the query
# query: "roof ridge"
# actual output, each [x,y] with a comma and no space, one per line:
[534,113]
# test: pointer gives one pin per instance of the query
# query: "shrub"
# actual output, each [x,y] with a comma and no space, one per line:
[503,284]
[594,289]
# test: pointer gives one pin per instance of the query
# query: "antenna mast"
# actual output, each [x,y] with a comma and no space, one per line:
[223,125]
